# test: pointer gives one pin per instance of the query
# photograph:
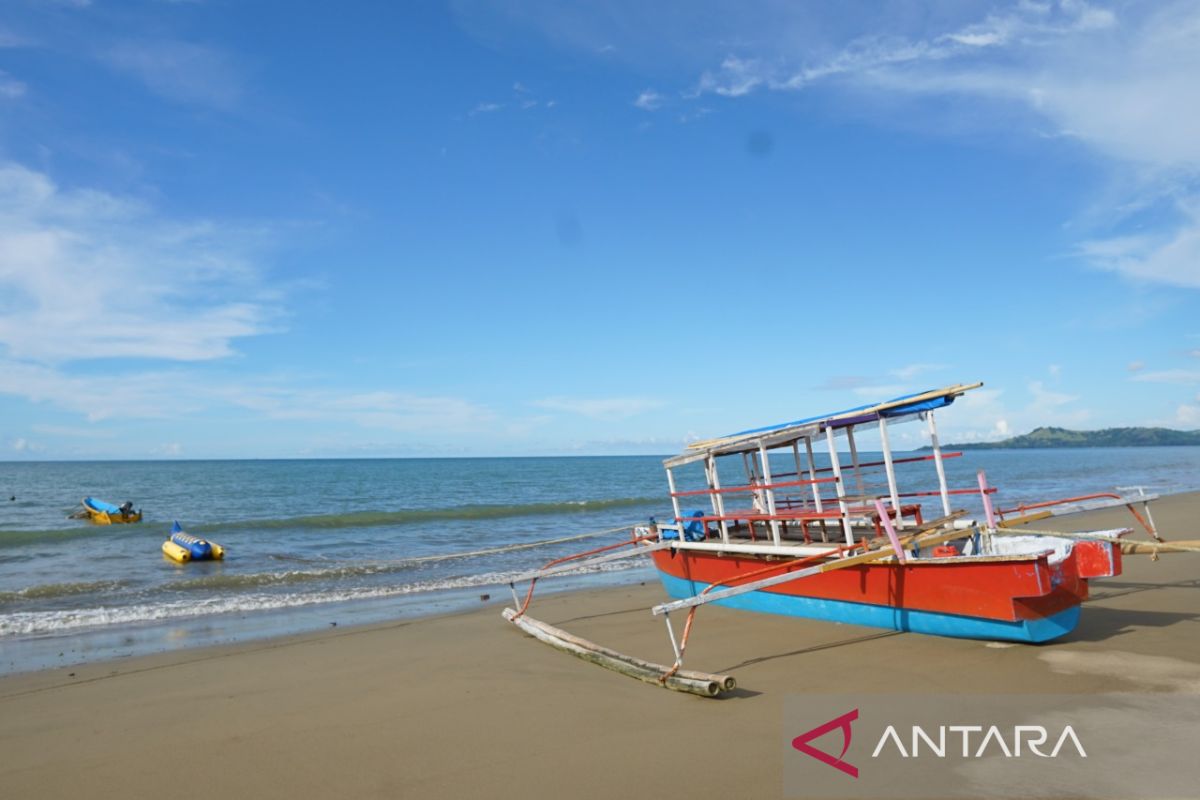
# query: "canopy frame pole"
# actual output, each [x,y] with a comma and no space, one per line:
[718,498]
[890,468]
[769,492]
[812,474]
[858,478]
[937,462]
[675,500]
[796,459]
[816,488]
[841,489]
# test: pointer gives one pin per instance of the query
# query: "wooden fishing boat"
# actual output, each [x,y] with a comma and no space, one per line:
[102,513]
[813,537]
[988,586]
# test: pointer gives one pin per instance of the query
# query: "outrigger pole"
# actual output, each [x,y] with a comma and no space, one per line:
[674,677]
[701,683]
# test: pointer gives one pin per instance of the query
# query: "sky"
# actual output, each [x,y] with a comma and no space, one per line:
[264,229]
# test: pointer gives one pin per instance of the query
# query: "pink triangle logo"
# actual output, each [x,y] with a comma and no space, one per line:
[801,743]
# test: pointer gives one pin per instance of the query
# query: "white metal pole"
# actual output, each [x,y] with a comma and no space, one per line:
[858,478]
[841,491]
[937,460]
[799,470]
[769,492]
[718,500]
[812,473]
[675,502]
[890,467]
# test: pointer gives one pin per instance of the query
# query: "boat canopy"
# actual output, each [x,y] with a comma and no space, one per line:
[786,432]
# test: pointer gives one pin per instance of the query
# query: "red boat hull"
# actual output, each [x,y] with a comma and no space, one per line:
[952,596]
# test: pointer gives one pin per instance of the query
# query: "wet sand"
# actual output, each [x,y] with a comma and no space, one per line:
[468,706]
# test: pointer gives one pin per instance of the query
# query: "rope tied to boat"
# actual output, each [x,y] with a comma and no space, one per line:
[519,546]
[633,541]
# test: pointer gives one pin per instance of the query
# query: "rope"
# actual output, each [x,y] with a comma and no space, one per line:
[511,547]
[632,541]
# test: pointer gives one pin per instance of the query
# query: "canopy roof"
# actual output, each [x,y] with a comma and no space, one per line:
[787,432]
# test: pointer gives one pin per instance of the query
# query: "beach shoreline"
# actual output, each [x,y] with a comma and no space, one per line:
[464,704]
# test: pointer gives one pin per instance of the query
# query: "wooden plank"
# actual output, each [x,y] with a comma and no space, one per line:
[1154,548]
[1013,521]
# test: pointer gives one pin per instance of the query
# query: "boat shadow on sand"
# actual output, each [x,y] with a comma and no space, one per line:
[1102,622]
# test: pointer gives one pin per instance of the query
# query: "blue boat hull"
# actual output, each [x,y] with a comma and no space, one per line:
[899,619]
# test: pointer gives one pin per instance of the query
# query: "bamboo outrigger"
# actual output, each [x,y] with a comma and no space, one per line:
[821,542]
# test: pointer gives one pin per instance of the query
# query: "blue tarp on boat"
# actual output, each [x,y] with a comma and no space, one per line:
[100,505]
[892,411]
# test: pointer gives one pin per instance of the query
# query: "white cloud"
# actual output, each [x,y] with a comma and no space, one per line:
[10,87]
[1172,258]
[649,100]
[736,77]
[181,393]
[86,274]
[72,432]
[125,395]
[881,392]
[911,371]
[991,414]
[1124,85]
[10,39]
[1188,415]
[179,71]
[1185,377]
[407,412]
[606,408]
[485,108]
[90,275]
[1044,398]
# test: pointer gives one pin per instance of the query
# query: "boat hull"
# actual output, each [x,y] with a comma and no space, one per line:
[104,518]
[101,513]
[933,623]
[1022,599]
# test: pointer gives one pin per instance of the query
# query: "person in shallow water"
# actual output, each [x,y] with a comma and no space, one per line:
[127,509]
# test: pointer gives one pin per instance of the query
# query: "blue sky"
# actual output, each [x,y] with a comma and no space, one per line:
[270,229]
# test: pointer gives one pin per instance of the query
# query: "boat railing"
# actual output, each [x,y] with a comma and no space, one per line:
[750,488]
[1023,510]
[874,464]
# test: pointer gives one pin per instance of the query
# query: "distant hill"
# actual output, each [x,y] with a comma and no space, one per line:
[1109,437]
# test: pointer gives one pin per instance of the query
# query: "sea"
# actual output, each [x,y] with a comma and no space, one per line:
[312,544]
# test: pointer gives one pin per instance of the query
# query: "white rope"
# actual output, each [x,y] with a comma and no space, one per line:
[511,547]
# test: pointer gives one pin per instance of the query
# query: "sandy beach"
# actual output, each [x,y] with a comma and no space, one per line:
[468,706]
